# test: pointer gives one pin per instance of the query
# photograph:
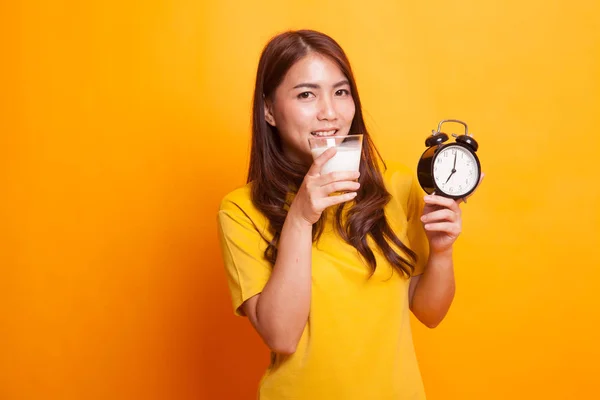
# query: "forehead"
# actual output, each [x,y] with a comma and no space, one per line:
[314,68]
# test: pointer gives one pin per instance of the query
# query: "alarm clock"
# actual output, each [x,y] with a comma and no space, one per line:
[449,169]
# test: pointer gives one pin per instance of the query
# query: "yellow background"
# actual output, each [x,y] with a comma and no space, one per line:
[122,124]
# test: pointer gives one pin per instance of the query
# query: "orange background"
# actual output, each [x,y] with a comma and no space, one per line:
[124,123]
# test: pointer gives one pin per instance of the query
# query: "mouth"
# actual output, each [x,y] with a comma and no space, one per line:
[323,133]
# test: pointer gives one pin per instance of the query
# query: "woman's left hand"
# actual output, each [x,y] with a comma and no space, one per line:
[442,221]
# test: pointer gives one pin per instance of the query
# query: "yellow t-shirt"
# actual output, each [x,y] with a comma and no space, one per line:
[357,343]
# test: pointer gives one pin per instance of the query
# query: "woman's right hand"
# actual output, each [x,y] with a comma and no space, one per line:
[313,197]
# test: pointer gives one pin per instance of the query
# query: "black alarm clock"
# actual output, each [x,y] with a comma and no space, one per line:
[449,169]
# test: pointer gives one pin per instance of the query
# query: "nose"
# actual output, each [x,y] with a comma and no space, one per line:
[327,111]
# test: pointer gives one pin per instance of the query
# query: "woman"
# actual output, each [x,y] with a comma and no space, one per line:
[328,279]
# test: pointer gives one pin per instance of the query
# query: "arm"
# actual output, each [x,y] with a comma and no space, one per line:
[431,293]
[280,312]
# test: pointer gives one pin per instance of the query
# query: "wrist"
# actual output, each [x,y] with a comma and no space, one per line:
[442,254]
[296,219]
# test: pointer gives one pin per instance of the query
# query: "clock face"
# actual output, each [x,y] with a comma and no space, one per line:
[455,170]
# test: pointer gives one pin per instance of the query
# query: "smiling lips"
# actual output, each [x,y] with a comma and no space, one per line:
[324,133]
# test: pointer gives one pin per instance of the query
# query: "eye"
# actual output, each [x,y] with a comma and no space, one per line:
[342,92]
[305,95]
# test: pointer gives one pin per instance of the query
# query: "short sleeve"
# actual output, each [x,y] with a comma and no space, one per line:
[415,231]
[242,247]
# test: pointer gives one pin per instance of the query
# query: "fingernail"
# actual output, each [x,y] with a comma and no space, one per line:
[423,218]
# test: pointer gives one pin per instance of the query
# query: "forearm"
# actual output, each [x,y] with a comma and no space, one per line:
[435,289]
[283,307]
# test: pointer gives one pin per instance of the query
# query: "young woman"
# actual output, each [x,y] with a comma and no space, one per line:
[328,279]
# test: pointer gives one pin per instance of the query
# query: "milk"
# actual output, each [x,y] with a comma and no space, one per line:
[346,159]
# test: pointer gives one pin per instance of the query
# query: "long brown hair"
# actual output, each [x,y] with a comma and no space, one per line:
[272,174]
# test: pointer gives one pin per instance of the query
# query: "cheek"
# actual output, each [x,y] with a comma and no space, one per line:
[298,116]
[348,111]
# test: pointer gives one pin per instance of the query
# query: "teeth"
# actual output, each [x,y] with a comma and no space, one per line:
[324,133]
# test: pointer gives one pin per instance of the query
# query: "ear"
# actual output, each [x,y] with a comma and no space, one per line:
[269,113]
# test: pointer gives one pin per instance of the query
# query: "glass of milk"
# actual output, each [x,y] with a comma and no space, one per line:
[347,157]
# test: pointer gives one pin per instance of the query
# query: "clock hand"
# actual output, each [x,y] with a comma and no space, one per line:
[453,168]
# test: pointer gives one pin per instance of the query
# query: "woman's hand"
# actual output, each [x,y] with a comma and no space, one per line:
[314,194]
[442,221]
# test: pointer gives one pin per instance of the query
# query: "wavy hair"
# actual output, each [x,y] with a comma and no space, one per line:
[273,175]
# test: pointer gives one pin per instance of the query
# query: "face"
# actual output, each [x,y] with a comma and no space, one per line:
[314,99]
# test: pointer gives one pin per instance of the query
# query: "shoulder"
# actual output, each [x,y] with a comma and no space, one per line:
[237,213]
[237,205]
[239,198]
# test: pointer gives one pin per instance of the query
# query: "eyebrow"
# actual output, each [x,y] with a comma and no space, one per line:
[315,86]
